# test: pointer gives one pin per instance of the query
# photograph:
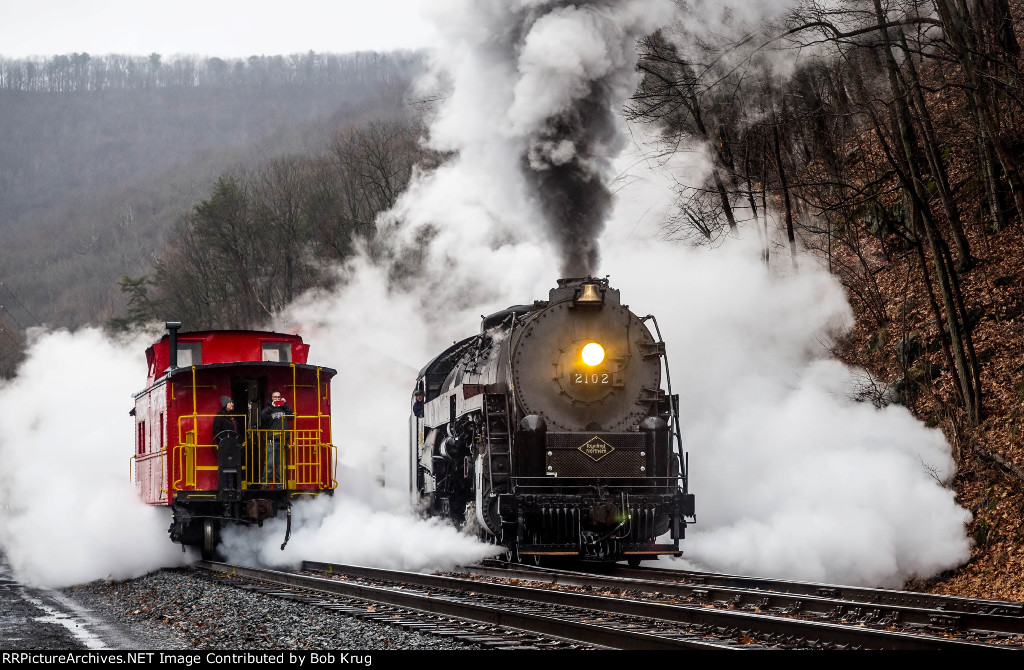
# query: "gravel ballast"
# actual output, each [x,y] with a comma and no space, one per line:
[179,609]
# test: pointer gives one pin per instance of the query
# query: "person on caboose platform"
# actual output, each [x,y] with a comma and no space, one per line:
[274,418]
[226,436]
[225,421]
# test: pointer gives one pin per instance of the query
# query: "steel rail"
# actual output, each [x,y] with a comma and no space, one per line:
[822,603]
[856,593]
[595,634]
[767,625]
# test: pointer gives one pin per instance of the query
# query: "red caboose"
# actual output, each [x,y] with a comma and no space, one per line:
[244,475]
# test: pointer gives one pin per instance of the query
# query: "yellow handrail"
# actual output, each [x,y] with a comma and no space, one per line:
[302,457]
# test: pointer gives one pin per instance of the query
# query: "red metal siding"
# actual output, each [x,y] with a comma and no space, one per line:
[150,459]
[224,346]
[174,415]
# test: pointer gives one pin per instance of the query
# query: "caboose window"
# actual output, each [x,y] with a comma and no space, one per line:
[278,352]
[190,353]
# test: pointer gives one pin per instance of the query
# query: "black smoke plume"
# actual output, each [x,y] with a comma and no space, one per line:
[573,194]
[576,66]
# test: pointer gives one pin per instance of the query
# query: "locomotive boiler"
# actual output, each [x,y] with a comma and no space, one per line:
[268,457]
[549,432]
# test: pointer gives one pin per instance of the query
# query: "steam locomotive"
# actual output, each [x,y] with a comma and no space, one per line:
[549,433]
[244,475]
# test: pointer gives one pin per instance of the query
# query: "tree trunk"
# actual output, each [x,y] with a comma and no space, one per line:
[784,186]
[949,207]
[959,328]
[958,31]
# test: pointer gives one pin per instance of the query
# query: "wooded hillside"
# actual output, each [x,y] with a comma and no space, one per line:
[101,155]
[886,135]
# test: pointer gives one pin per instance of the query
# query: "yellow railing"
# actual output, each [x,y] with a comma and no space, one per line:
[298,453]
[300,456]
[291,458]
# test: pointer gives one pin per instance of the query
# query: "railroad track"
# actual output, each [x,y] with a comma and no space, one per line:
[970,619]
[941,603]
[524,609]
[967,620]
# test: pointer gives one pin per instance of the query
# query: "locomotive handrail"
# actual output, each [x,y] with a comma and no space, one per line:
[673,410]
[513,400]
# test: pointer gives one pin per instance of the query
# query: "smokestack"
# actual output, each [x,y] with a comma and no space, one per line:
[172,344]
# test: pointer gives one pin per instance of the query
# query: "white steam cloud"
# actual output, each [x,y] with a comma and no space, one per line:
[68,508]
[792,478]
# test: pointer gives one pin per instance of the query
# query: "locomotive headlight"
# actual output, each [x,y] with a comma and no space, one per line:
[593,354]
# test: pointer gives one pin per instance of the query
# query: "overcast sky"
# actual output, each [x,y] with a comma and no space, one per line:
[225,28]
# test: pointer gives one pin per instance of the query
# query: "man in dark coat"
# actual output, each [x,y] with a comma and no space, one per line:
[226,434]
[274,418]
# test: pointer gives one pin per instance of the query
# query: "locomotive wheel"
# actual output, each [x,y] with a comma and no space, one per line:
[211,539]
[633,561]
[509,554]
[531,559]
